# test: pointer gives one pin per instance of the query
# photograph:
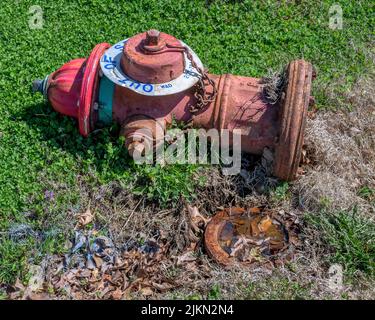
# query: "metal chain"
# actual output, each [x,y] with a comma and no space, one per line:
[203,97]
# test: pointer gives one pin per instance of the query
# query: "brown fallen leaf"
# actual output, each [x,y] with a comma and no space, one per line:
[242,242]
[37,296]
[255,231]
[162,286]
[304,157]
[186,257]
[85,273]
[94,274]
[106,290]
[85,218]
[19,285]
[295,241]
[98,260]
[117,294]
[237,246]
[147,291]
[255,210]
[195,223]
[311,114]
[195,217]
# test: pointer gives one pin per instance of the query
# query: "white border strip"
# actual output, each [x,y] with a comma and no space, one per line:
[110,65]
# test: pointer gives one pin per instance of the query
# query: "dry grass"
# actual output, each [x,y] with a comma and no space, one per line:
[341,146]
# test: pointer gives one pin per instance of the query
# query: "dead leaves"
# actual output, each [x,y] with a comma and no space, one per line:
[84,219]
[114,275]
[196,224]
[117,294]
[189,229]
[186,258]
[196,219]
[193,231]
[35,286]
[96,268]
[265,224]
[146,291]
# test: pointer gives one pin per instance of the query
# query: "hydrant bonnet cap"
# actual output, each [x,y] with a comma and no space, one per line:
[147,58]
[110,64]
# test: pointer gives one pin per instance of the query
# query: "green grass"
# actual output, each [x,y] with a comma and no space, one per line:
[214,293]
[13,259]
[41,151]
[351,240]
[276,288]
[367,194]
[281,192]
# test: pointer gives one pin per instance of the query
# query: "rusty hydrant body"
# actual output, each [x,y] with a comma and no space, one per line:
[146,81]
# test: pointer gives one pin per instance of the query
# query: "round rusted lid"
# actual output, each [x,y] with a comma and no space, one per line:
[235,235]
[292,120]
[146,59]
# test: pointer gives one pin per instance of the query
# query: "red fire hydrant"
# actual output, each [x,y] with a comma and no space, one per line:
[148,80]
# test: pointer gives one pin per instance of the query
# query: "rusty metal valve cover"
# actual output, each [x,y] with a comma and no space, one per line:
[236,235]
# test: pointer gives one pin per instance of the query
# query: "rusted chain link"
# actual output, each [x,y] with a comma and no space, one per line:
[203,97]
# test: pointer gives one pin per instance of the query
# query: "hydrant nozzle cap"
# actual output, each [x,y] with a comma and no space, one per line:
[40,86]
[37,86]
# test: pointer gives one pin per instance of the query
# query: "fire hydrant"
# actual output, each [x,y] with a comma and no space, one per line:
[153,78]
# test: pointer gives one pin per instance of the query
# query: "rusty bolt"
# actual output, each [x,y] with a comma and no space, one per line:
[152,37]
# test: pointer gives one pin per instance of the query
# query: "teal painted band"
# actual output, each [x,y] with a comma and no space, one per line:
[106,90]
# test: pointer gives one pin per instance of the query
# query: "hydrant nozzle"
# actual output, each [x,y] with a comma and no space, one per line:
[40,85]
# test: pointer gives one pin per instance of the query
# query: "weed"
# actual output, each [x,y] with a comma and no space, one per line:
[351,240]
[275,288]
[13,259]
[281,192]
[214,293]
[367,193]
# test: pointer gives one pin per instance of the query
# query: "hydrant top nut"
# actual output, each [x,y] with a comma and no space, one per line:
[144,60]
[152,38]
[153,43]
